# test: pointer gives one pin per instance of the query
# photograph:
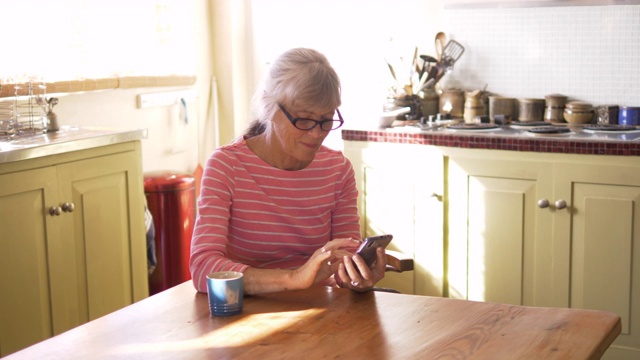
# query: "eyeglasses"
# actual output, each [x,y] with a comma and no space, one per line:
[308,124]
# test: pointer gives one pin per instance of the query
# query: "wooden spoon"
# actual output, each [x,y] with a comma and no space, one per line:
[441,41]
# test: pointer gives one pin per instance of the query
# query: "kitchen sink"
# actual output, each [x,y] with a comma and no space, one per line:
[68,138]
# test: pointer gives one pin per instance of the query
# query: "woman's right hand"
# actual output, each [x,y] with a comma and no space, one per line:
[318,267]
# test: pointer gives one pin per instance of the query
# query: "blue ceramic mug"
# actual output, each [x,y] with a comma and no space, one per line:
[226,292]
[629,115]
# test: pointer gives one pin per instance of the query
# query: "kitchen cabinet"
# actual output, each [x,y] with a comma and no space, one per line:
[400,193]
[72,243]
[547,230]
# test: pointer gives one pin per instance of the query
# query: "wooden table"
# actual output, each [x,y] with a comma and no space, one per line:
[333,323]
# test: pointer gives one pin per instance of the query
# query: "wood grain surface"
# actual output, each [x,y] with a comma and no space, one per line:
[321,323]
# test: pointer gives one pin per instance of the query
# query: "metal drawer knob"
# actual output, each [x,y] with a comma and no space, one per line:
[543,203]
[560,204]
[68,207]
[55,211]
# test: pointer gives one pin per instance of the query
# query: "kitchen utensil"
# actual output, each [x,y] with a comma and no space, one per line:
[428,60]
[414,76]
[441,40]
[452,53]
[393,72]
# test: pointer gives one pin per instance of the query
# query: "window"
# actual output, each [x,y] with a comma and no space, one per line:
[61,40]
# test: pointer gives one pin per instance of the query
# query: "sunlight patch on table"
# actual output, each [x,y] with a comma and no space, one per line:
[249,330]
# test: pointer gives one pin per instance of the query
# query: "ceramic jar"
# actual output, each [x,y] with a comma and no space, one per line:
[607,114]
[530,109]
[413,102]
[499,105]
[473,106]
[452,102]
[629,115]
[430,103]
[578,112]
[554,108]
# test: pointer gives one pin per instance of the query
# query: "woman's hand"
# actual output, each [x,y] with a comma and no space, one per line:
[353,272]
[318,267]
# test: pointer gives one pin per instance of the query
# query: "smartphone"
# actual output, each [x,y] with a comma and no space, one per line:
[367,249]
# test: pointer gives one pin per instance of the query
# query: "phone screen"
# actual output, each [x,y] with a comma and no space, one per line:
[367,249]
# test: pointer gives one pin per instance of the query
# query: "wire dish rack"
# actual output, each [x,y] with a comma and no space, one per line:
[7,120]
[29,108]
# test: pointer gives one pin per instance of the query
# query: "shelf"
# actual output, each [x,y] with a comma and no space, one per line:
[128,82]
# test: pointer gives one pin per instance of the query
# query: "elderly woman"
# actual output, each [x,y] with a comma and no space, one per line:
[276,204]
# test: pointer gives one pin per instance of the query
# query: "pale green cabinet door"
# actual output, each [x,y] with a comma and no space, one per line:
[107,254]
[400,193]
[602,219]
[29,259]
[499,243]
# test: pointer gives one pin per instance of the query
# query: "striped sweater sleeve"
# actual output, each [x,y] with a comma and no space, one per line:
[253,215]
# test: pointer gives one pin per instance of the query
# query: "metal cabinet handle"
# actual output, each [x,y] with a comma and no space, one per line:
[55,211]
[543,203]
[560,204]
[68,207]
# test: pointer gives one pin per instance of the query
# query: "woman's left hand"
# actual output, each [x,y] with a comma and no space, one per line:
[353,272]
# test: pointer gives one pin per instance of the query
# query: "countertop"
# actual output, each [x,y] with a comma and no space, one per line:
[509,137]
[68,138]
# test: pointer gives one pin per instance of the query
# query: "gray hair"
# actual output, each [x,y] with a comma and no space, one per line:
[299,78]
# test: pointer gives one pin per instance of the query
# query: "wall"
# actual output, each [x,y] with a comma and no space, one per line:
[171,145]
[589,53]
[356,36]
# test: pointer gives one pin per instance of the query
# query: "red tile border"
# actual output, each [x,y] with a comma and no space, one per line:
[486,141]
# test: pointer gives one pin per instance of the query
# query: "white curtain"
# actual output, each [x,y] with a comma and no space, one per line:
[233,61]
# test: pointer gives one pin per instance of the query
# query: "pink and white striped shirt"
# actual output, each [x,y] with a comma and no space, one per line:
[251,214]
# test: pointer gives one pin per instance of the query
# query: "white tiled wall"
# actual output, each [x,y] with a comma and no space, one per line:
[589,53]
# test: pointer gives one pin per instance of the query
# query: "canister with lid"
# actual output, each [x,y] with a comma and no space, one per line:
[473,106]
[452,102]
[629,115]
[430,103]
[607,114]
[530,109]
[500,105]
[578,112]
[554,108]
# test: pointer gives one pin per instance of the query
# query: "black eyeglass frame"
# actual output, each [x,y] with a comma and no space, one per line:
[295,121]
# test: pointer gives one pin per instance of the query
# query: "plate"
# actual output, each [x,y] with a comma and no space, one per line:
[550,130]
[608,129]
[474,127]
[517,124]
